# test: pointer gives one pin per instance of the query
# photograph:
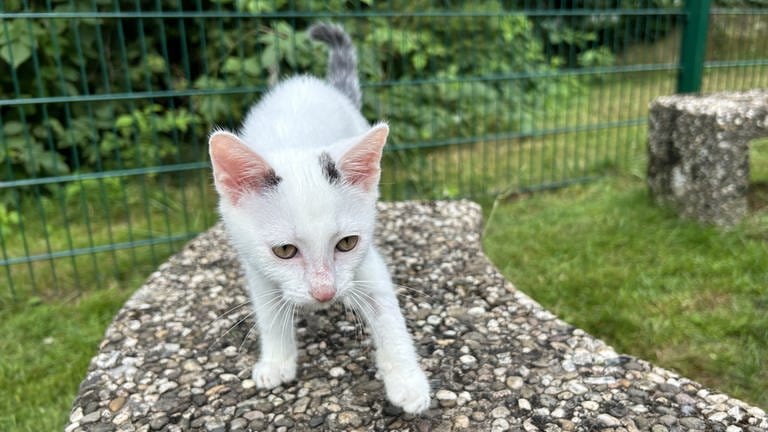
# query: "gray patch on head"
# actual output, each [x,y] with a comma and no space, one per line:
[329,168]
[271,179]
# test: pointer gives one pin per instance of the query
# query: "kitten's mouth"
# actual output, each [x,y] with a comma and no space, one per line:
[311,302]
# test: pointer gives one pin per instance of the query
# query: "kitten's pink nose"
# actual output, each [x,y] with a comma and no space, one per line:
[321,286]
[323,293]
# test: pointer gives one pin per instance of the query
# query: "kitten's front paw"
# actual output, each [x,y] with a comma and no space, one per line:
[269,374]
[408,389]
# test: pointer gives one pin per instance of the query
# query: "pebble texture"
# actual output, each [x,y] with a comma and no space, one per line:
[698,152]
[178,356]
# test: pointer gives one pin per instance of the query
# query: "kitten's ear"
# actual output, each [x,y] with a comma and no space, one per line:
[360,164]
[237,169]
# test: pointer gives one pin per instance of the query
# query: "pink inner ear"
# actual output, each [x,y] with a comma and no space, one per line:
[360,165]
[236,168]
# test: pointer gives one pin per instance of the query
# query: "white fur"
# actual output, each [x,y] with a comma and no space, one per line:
[291,126]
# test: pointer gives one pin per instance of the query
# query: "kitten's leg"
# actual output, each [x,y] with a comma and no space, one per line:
[396,359]
[274,317]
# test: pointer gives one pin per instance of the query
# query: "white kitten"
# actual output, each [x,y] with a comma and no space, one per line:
[298,188]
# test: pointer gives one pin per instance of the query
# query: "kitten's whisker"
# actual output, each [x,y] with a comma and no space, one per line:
[347,311]
[405,288]
[401,291]
[365,304]
[225,313]
[351,309]
[271,294]
[410,289]
[413,299]
[245,338]
[272,304]
[284,314]
[362,294]
[227,332]
[357,321]
[397,286]
[268,298]
[276,308]
[287,328]
[361,323]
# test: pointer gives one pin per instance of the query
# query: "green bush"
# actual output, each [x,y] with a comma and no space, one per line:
[475,71]
[592,39]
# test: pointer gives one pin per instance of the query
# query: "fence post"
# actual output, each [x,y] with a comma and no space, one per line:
[693,46]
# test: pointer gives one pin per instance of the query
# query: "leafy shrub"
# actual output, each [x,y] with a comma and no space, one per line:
[479,70]
[576,37]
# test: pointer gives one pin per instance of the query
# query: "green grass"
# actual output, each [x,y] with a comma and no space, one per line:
[46,347]
[56,315]
[684,296]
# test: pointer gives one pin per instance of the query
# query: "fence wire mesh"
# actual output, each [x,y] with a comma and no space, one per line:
[106,107]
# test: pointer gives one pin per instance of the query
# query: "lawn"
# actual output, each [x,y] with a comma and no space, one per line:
[46,348]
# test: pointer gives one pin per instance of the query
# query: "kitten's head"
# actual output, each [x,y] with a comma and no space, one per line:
[304,218]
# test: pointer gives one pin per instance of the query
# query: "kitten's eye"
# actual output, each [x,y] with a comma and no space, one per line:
[286,251]
[347,243]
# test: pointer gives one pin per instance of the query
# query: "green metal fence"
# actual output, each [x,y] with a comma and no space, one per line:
[106,106]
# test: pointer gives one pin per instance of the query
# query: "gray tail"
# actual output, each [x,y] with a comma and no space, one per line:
[342,59]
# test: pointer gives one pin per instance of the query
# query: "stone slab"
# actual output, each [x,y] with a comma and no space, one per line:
[698,152]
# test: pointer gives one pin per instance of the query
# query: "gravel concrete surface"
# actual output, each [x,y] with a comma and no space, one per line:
[179,354]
